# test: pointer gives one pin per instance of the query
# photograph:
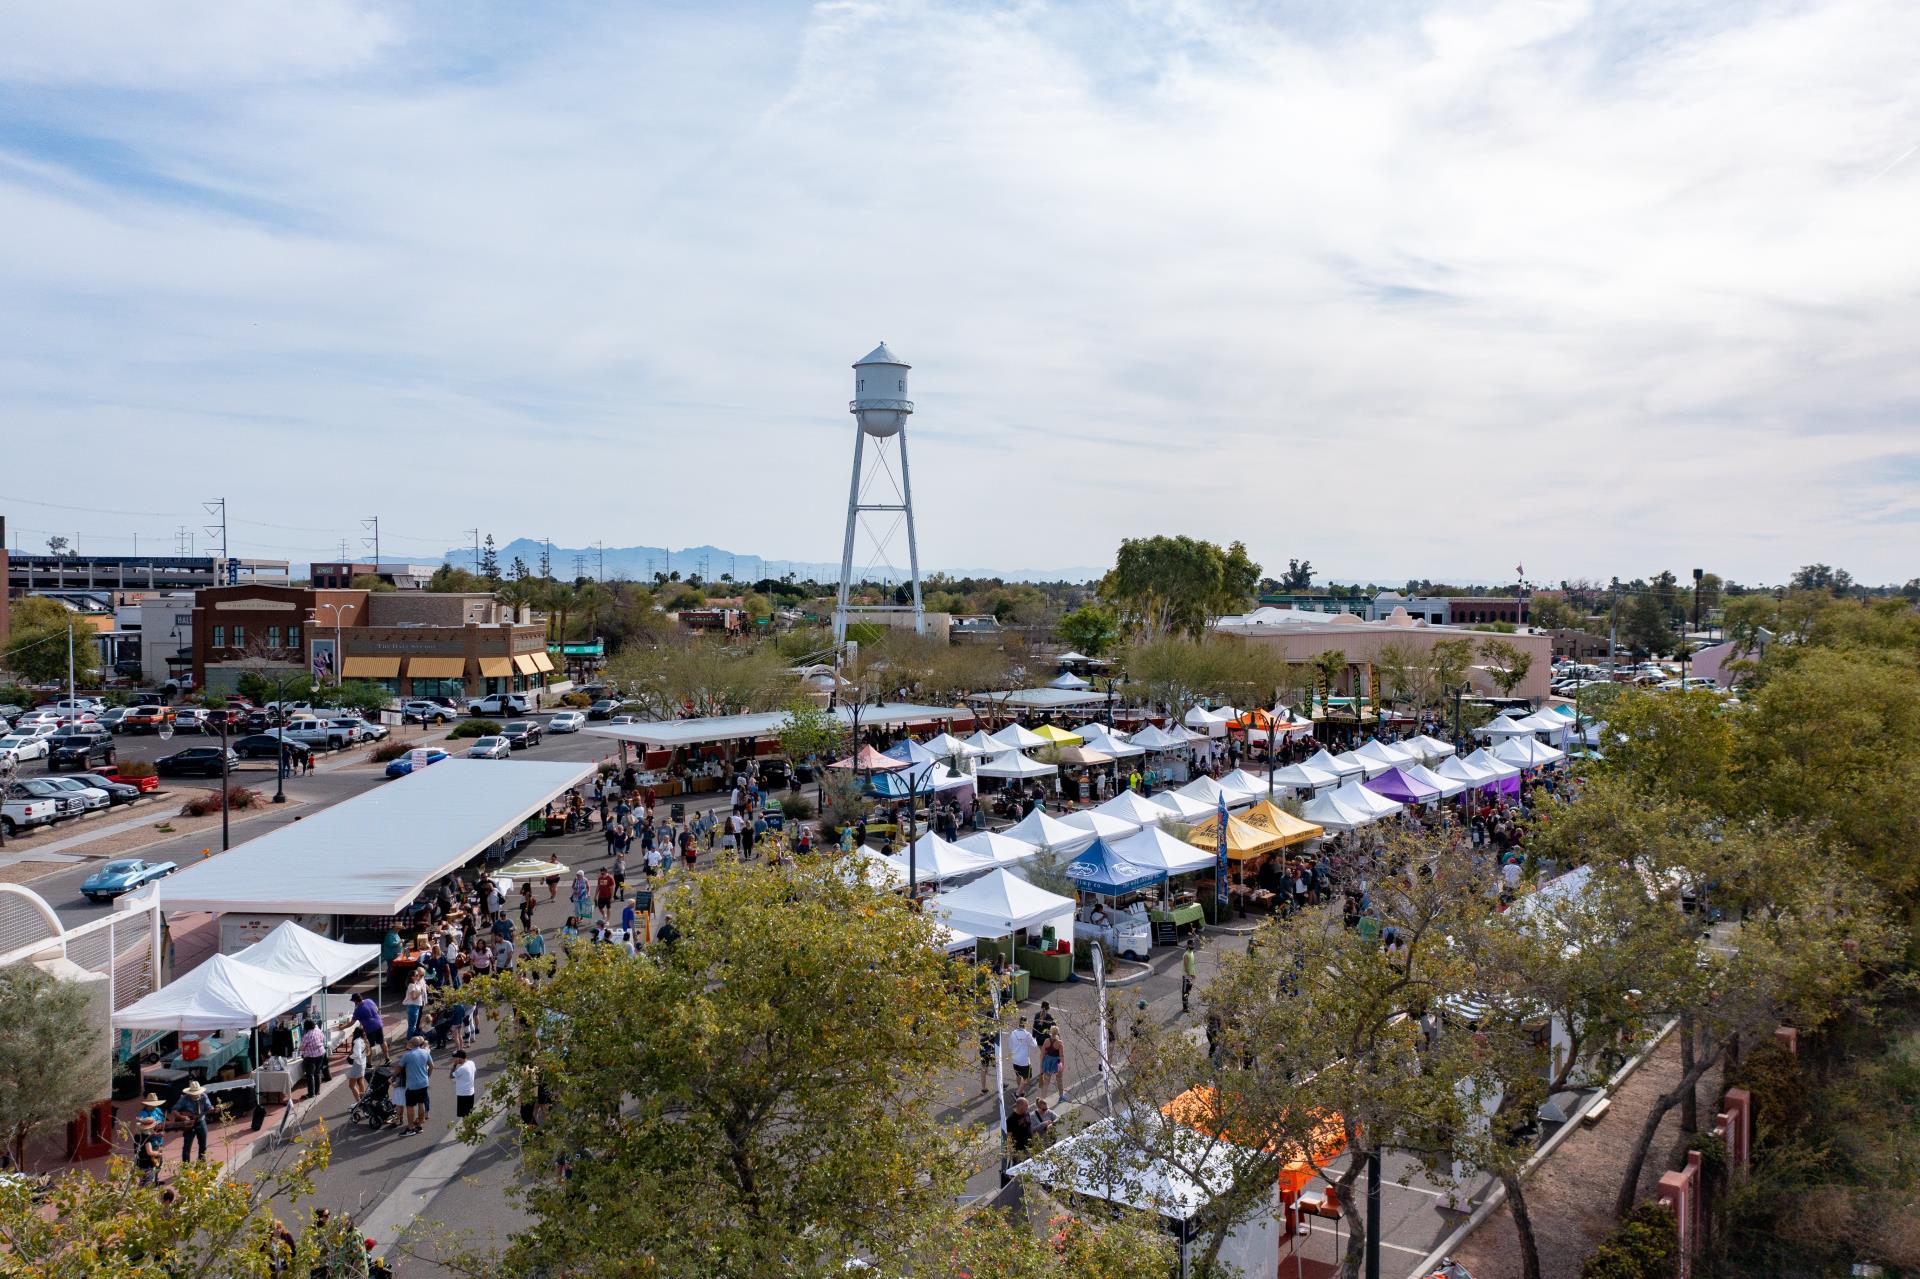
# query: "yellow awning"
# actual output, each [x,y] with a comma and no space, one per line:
[370,668]
[1243,841]
[436,667]
[525,663]
[1268,816]
[496,667]
[542,661]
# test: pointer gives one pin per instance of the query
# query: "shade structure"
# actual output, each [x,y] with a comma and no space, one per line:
[1185,734]
[1399,785]
[1278,821]
[1528,752]
[1304,777]
[1101,870]
[528,868]
[1167,1170]
[1154,847]
[1155,738]
[1083,757]
[1502,726]
[303,953]
[1132,806]
[1000,903]
[1243,841]
[1049,833]
[937,860]
[1067,679]
[221,994]
[1181,807]
[947,746]
[874,869]
[1326,762]
[1487,760]
[1393,756]
[1447,786]
[1328,809]
[1208,723]
[1103,825]
[1070,657]
[868,760]
[1471,776]
[1368,767]
[982,744]
[1055,735]
[1324,1142]
[1017,738]
[1003,849]
[1358,796]
[1430,748]
[911,752]
[1009,763]
[919,779]
[1245,783]
[1549,724]
[375,853]
[1105,740]
[1210,792]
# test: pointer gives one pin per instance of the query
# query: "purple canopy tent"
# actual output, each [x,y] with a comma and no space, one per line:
[1397,786]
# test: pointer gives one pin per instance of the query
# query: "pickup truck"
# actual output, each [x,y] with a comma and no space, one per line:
[20,811]
[316,734]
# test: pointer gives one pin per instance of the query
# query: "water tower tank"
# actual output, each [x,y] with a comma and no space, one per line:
[880,392]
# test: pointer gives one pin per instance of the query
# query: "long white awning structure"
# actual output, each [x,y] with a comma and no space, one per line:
[667,733]
[374,854]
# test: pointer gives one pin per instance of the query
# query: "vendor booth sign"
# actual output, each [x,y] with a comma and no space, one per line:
[237,932]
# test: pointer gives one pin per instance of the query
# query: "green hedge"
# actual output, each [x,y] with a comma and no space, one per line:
[1645,1245]
[474,728]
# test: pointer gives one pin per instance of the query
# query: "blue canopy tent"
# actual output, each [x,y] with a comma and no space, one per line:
[911,752]
[1102,871]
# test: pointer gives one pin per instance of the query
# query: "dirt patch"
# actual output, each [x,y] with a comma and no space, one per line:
[22,872]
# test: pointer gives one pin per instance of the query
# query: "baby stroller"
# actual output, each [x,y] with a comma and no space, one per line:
[376,1110]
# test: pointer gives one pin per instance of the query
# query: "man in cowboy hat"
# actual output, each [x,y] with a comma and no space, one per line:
[147,1145]
[192,1110]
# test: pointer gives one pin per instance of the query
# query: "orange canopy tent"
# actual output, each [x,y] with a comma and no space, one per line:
[1326,1142]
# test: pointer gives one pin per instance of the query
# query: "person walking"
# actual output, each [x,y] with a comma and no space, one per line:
[526,906]
[415,999]
[1053,1066]
[582,894]
[366,1015]
[416,1068]
[192,1110]
[313,1056]
[1020,1048]
[463,1085]
[357,1063]
[603,895]
[1189,969]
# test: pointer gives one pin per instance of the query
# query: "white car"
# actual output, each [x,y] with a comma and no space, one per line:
[76,705]
[626,719]
[34,719]
[567,722]
[353,726]
[372,732]
[498,704]
[90,797]
[21,747]
[490,748]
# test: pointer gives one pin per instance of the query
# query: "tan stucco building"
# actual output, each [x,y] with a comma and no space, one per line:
[1301,636]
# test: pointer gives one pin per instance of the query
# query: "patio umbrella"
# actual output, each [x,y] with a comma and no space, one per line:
[529,868]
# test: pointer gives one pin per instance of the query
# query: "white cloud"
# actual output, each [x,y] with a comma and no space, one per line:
[1602,288]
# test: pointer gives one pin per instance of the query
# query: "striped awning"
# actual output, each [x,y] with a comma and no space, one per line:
[370,668]
[524,662]
[496,667]
[542,661]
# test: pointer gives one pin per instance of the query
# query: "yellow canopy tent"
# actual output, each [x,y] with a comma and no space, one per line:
[1243,841]
[1057,735]
[1269,816]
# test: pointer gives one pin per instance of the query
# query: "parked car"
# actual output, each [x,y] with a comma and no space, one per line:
[190,719]
[372,732]
[290,708]
[41,788]
[626,719]
[110,718]
[21,747]
[498,704]
[404,765]
[79,749]
[318,734]
[352,725]
[147,698]
[145,719]
[267,746]
[141,784]
[117,792]
[604,708]
[123,875]
[90,797]
[489,748]
[204,761]
[76,706]
[423,712]
[521,733]
[566,722]
[22,810]
[35,718]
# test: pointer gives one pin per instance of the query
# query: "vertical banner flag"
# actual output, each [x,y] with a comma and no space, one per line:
[1220,858]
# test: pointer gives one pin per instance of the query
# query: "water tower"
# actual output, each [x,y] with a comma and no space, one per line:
[880,409]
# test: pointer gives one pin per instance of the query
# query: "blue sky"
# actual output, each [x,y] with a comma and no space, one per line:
[1404,288]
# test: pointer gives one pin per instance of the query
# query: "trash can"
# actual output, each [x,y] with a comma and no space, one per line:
[679,812]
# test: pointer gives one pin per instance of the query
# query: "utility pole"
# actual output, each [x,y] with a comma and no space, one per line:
[218,506]
[182,540]
[474,533]
[601,547]
[373,522]
[546,557]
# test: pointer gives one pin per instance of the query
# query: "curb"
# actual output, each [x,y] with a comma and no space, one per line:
[1498,1195]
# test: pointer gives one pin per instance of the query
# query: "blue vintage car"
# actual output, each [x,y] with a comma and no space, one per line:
[404,765]
[123,875]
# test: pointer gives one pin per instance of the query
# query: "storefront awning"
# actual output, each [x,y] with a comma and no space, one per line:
[542,663]
[496,667]
[370,668]
[525,664]
[436,667]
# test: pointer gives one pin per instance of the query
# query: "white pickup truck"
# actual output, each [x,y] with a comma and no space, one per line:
[317,734]
[20,811]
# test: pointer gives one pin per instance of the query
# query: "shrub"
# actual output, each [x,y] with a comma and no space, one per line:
[475,728]
[578,701]
[205,805]
[389,750]
[797,807]
[133,769]
[1645,1245]
[608,768]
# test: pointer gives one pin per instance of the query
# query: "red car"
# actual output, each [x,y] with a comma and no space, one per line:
[144,783]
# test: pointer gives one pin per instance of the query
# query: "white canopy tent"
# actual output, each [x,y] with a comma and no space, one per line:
[875,869]
[1048,833]
[1155,738]
[1103,825]
[1431,748]
[375,853]
[1246,783]
[1470,775]
[935,860]
[1447,786]
[303,953]
[1072,658]
[1013,764]
[1000,903]
[1304,777]
[1209,792]
[1183,807]
[221,994]
[1528,752]
[1333,812]
[1502,726]
[947,746]
[1339,766]
[1067,679]
[1156,849]
[983,744]
[1209,723]
[1549,724]
[1354,795]
[1003,849]
[1393,756]
[1017,737]
[1102,738]
[1132,806]
[1488,761]
[1368,767]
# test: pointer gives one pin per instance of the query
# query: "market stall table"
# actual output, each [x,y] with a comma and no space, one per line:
[213,1054]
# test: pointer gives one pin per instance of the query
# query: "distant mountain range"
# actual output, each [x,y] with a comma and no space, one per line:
[640,563]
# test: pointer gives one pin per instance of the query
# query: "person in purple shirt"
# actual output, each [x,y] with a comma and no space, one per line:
[367,1014]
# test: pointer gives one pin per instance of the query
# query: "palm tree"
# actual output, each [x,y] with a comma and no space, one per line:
[1330,666]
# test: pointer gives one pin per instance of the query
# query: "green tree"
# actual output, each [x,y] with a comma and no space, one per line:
[489,566]
[364,696]
[1450,660]
[1091,629]
[1507,664]
[37,643]
[1552,613]
[1646,627]
[811,733]
[759,1097]
[1164,586]
[453,580]
[1299,576]
[47,1071]
[372,582]
[1330,667]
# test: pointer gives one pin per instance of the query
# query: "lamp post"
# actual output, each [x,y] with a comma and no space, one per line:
[339,665]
